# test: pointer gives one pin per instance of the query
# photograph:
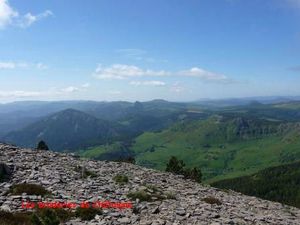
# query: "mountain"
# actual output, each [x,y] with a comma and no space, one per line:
[65,130]
[223,142]
[280,183]
[219,103]
[17,115]
[221,145]
[153,197]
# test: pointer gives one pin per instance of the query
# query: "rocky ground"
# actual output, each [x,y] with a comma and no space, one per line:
[58,174]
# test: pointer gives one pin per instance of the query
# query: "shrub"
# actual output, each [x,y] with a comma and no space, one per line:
[141,195]
[177,167]
[45,216]
[5,172]
[8,218]
[121,179]
[150,193]
[87,213]
[51,216]
[212,200]
[30,189]
[170,195]
[64,215]
[39,217]
[42,146]
[193,174]
[152,188]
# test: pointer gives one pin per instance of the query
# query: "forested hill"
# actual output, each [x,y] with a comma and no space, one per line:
[281,183]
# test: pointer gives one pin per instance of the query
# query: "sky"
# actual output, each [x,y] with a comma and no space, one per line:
[177,50]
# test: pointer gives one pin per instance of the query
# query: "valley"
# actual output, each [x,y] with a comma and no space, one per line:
[224,142]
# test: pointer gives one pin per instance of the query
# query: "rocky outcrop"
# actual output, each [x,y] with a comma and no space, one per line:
[189,203]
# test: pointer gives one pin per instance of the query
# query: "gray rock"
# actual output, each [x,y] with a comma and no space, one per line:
[5,208]
[124,220]
[57,173]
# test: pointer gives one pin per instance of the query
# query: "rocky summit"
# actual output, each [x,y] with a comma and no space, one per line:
[157,197]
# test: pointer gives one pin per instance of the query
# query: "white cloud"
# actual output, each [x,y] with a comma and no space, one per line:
[16,65]
[47,93]
[10,16]
[7,65]
[7,14]
[70,89]
[122,71]
[28,19]
[148,83]
[19,94]
[204,75]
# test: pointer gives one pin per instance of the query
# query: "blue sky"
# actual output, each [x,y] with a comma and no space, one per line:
[178,50]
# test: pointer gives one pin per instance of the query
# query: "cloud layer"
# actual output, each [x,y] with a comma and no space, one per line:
[148,83]
[47,93]
[19,94]
[123,71]
[10,16]
[15,65]
[204,75]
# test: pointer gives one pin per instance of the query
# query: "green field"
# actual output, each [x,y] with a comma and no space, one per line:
[222,147]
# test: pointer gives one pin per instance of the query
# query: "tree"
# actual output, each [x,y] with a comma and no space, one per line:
[175,166]
[42,146]
[193,174]
[5,172]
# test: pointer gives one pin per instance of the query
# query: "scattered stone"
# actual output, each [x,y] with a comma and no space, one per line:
[155,210]
[193,204]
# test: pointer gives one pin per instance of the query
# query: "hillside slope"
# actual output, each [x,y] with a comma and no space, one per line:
[67,129]
[281,183]
[172,200]
[221,146]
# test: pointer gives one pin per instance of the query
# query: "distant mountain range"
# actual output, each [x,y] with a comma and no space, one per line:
[246,101]
[84,124]
[224,142]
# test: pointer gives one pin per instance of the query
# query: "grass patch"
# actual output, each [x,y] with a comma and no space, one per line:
[51,216]
[150,193]
[64,215]
[30,189]
[87,213]
[141,195]
[170,195]
[212,200]
[121,179]
[39,217]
